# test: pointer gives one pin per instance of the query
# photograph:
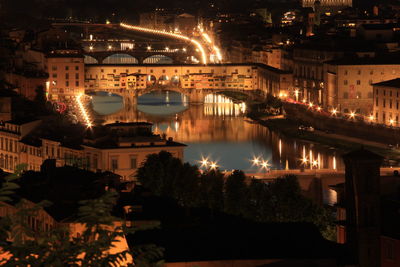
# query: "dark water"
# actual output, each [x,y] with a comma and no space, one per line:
[217,130]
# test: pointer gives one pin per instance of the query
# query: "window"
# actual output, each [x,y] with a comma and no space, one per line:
[66,67]
[76,67]
[95,161]
[346,95]
[151,71]
[371,72]
[359,72]
[54,68]
[390,103]
[345,82]
[384,103]
[77,83]
[54,75]
[376,102]
[358,95]
[163,71]
[358,82]
[346,72]
[114,163]
[390,93]
[66,76]
[101,70]
[114,71]
[77,76]
[67,83]
[133,162]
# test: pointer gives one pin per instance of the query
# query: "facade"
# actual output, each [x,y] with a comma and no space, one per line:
[348,82]
[11,134]
[386,98]
[66,74]
[27,83]
[113,151]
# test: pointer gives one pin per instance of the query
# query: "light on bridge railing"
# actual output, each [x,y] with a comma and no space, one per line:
[173,35]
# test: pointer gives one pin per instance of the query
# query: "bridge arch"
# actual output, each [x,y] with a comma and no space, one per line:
[120,58]
[90,60]
[158,59]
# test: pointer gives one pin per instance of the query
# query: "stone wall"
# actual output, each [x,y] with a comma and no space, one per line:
[353,128]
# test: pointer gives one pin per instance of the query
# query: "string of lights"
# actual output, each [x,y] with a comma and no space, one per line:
[169,34]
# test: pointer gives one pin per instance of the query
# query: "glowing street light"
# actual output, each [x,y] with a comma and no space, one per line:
[352,115]
[83,111]
[391,121]
[167,48]
[319,108]
[91,48]
[304,161]
[109,47]
[213,165]
[310,104]
[334,112]
[371,118]
[149,48]
[172,35]
[256,161]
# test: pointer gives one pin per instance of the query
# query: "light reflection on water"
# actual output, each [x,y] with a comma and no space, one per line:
[218,129]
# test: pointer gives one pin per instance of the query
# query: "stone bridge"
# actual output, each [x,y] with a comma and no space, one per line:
[136,56]
[194,95]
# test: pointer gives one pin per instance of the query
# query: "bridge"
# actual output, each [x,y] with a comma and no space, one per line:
[136,56]
[194,80]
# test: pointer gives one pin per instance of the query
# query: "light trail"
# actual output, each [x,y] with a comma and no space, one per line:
[169,34]
[83,111]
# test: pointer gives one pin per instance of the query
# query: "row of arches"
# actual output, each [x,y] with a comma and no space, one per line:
[128,59]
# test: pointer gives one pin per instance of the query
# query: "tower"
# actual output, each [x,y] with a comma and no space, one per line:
[362,194]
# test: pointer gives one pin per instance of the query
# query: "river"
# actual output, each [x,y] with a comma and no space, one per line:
[216,130]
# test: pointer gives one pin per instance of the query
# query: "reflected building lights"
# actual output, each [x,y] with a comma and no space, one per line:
[220,105]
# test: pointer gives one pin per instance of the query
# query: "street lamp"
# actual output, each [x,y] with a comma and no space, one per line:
[371,118]
[318,108]
[334,112]
[213,165]
[149,48]
[352,115]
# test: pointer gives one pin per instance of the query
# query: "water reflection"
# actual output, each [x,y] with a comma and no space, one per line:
[218,130]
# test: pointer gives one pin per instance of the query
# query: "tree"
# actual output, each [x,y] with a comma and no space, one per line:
[235,193]
[158,173]
[57,247]
[40,97]
[211,190]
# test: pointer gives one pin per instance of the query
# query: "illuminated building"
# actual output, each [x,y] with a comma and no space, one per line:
[66,74]
[386,101]
[128,78]
[120,149]
[348,82]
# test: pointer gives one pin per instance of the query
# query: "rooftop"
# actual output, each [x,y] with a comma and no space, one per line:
[380,60]
[390,83]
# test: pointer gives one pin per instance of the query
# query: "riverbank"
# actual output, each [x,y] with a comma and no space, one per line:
[290,128]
